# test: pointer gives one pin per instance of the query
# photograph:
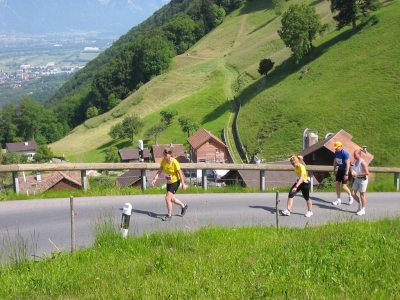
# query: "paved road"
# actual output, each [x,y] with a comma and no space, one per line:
[46,224]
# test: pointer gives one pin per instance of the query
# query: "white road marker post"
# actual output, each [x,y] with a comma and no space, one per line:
[126,216]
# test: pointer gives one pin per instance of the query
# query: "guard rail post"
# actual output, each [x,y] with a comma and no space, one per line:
[262,180]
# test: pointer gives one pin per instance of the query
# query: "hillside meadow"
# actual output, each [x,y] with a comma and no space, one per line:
[352,84]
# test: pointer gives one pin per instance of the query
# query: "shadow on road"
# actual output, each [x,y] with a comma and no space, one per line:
[149,213]
[321,203]
[272,210]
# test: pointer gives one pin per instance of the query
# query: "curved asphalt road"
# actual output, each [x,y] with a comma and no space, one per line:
[46,224]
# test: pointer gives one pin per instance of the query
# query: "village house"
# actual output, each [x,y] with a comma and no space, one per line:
[132,155]
[322,153]
[204,147]
[24,148]
[133,178]
[39,183]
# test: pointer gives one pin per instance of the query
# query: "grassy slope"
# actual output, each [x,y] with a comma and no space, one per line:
[224,64]
[203,81]
[352,85]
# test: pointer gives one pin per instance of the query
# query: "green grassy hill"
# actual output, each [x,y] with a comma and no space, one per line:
[350,85]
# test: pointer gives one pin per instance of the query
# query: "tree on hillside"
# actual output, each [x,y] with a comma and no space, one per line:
[43,154]
[112,155]
[11,158]
[155,131]
[132,125]
[92,112]
[26,117]
[29,120]
[265,66]
[167,116]
[300,25]
[9,131]
[278,6]
[128,128]
[117,131]
[188,125]
[181,31]
[349,11]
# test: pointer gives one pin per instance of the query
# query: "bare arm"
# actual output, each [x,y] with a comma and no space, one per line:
[365,167]
[182,179]
[156,177]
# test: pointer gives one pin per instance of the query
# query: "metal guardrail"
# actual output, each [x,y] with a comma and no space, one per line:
[83,167]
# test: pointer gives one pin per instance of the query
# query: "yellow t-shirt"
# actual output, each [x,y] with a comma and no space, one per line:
[301,172]
[171,170]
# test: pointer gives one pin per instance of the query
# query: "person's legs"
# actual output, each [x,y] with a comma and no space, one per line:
[168,200]
[363,190]
[346,189]
[177,201]
[337,185]
[289,204]
[354,195]
[305,190]
[286,212]
[309,204]
[363,199]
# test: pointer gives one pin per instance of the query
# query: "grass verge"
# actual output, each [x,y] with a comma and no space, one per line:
[339,260]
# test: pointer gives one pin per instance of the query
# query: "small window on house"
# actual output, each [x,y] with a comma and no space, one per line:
[202,160]
[314,156]
[217,150]
[210,161]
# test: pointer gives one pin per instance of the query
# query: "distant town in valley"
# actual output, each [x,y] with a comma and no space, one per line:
[26,58]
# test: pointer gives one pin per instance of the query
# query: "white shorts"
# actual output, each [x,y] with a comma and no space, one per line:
[360,185]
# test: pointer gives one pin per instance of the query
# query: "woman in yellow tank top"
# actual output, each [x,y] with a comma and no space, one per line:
[302,184]
[174,176]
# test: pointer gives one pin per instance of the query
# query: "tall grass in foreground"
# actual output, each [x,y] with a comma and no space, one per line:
[338,261]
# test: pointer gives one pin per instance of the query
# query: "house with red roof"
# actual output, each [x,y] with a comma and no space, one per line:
[205,147]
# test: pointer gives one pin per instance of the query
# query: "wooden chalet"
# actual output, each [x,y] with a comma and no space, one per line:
[132,155]
[207,148]
[56,181]
[133,178]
